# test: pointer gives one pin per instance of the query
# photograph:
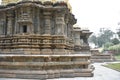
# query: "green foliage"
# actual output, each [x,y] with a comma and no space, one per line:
[93,39]
[103,37]
[115,47]
[118,33]
[115,41]
[107,45]
[117,57]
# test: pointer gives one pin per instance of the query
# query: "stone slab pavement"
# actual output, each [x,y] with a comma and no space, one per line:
[100,73]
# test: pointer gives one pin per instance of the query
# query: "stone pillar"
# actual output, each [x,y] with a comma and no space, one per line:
[77,37]
[66,26]
[69,31]
[71,22]
[60,31]
[16,24]
[38,22]
[60,24]
[47,32]
[47,21]
[2,24]
[9,25]
[18,14]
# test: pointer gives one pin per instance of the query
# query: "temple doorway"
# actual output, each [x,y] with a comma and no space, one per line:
[24,28]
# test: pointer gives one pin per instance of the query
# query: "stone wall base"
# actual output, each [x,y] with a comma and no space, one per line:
[50,74]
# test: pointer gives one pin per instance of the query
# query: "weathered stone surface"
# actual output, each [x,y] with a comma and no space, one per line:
[99,57]
[37,41]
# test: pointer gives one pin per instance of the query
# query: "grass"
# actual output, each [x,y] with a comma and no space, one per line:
[115,66]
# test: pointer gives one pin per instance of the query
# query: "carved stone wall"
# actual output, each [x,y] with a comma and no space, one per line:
[38,42]
[45,20]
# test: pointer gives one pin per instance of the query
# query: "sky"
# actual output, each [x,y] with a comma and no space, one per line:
[96,14]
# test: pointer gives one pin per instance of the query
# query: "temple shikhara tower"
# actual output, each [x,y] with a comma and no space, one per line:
[38,41]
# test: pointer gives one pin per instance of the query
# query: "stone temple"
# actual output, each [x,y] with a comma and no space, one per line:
[38,41]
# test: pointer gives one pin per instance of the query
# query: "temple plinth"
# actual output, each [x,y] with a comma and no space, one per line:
[38,41]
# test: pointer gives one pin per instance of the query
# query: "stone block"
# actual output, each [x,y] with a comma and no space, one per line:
[67,73]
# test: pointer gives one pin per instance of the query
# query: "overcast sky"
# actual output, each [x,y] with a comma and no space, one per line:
[96,14]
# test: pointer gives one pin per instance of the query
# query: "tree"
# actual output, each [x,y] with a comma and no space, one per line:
[115,41]
[104,36]
[118,33]
[93,39]
[107,45]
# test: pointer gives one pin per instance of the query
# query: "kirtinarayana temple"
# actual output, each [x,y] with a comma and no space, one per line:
[38,41]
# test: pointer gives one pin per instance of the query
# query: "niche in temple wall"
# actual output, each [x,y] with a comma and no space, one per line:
[24,13]
[24,19]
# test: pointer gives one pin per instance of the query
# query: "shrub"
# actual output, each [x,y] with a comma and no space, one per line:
[115,48]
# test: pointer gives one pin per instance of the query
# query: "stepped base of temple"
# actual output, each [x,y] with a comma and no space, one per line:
[23,74]
[45,66]
[102,58]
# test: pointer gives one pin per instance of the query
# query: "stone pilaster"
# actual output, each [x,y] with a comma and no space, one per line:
[66,26]
[77,38]
[16,24]
[2,25]
[77,42]
[47,21]
[60,31]
[71,22]
[38,22]
[9,24]
[47,32]
[60,23]
[69,30]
